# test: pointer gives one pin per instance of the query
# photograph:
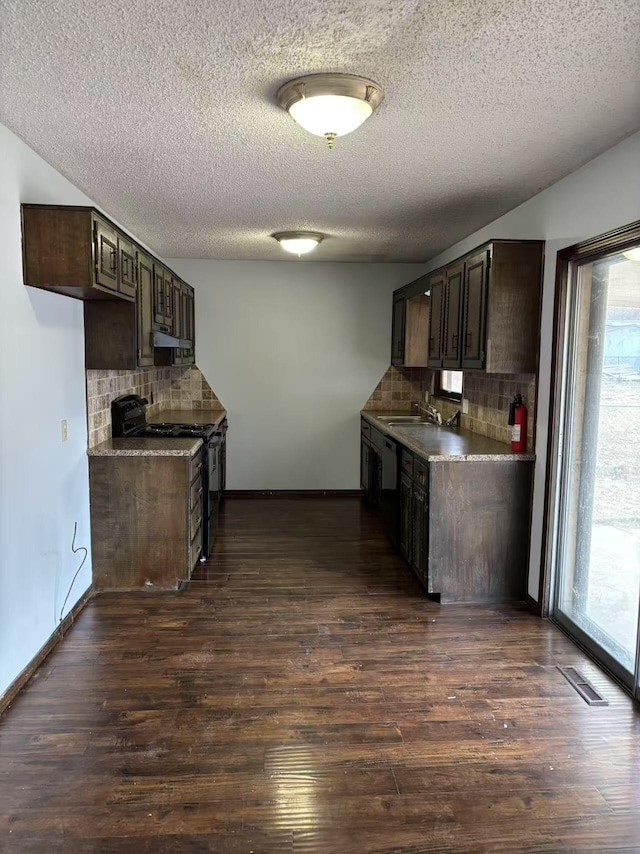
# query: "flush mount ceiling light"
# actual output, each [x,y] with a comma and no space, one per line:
[330,105]
[298,242]
[632,254]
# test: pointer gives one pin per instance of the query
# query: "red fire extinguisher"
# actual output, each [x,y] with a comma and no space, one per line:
[518,424]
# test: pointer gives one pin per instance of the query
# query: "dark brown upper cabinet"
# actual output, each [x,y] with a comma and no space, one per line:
[144,310]
[437,291]
[185,314]
[485,309]
[410,326]
[397,331]
[182,327]
[452,316]
[158,295]
[474,310]
[168,299]
[73,251]
[106,251]
[128,260]
[119,334]
[163,298]
[78,252]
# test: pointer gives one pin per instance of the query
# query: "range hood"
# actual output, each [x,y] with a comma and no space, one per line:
[163,339]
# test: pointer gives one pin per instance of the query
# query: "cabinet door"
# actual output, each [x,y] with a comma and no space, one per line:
[375,478]
[452,315]
[144,310]
[406,489]
[397,331]
[419,550]
[106,255]
[168,299]
[436,287]
[158,294]
[364,467]
[128,258]
[178,319]
[474,312]
[188,308]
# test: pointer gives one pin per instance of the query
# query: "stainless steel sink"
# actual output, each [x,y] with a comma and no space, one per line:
[401,419]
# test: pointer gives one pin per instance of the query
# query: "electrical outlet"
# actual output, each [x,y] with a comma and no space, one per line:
[465,406]
[64,430]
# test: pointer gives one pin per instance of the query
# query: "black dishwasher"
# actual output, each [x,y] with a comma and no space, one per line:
[387,451]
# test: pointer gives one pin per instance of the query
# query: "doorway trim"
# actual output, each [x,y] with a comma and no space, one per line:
[568,262]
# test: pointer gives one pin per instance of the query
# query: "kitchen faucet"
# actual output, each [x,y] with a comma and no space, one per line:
[430,413]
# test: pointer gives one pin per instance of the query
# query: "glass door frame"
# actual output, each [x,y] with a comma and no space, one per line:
[569,262]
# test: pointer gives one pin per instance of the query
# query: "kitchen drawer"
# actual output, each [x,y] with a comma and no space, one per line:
[420,471]
[195,493]
[196,547]
[365,429]
[196,467]
[196,519]
[406,463]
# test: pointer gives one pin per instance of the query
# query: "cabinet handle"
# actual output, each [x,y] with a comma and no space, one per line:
[454,341]
[431,343]
[114,260]
[467,342]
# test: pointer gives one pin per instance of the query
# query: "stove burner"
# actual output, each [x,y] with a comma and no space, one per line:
[160,429]
[198,431]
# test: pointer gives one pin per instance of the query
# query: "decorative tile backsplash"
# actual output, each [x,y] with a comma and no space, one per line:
[400,388]
[489,396]
[165,388]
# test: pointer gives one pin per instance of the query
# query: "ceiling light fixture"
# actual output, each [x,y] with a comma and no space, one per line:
[298,242]
[632,254]
[330,105]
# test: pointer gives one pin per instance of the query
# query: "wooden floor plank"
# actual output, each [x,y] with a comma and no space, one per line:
[303,696]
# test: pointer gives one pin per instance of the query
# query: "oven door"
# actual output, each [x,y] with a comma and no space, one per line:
[212,499]
[213,452]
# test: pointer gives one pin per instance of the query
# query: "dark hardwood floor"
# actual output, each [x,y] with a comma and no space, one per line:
[303,696]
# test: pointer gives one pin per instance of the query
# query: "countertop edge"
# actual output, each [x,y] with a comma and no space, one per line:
[443,458]
[106,449]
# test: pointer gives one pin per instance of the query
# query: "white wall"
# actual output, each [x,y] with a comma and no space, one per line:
[601,196]
[293,349]
[44,486]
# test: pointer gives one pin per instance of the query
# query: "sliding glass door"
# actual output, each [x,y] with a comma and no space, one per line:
[597,520]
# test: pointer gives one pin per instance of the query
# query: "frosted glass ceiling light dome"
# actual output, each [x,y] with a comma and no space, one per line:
[298,242]
[632,254]
[330,105]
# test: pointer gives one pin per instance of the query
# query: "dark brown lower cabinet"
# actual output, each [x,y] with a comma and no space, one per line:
[365,448]
[464,527]
[406,489]
[375,478]
[419,529]
[146,520]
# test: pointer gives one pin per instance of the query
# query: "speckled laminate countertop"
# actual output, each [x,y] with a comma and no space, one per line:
[154,446]
[189,416]
[441,444]
[165,446]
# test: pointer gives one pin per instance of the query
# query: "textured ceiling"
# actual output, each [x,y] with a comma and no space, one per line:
[164,113]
